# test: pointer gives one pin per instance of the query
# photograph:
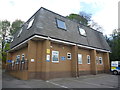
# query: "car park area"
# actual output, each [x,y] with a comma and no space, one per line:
[87,81]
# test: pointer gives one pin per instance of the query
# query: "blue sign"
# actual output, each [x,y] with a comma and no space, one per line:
[47,60]
[9,61]
[63,58]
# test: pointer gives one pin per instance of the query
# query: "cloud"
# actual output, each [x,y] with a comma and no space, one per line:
[104,12]
[24,9]
[108,16]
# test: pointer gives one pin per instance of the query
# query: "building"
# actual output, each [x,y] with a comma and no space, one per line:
[49,46]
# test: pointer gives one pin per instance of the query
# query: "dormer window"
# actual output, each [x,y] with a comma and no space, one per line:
[30,23]
[61,24]
[20,32]
[12,38]
[82,31]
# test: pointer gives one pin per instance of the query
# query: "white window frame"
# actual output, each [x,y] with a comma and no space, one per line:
[100,59]
[57,21]
[20,32]
[22,56]
[79,60]
[88,59]
[82,31]
[30,23]
[69,55]
[57,54]
[17,58]
[12,39]
[12,62]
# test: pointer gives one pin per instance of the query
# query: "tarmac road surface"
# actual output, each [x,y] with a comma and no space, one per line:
[88,81]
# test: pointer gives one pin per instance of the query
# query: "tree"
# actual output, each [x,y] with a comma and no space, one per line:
[95,26]
[4,30]
[16,26]
[0,40]
[7,30]
[114,43]
[78,18]
[85,19]
[85,15]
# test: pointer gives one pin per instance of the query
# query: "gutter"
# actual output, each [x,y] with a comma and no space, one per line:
[56,40]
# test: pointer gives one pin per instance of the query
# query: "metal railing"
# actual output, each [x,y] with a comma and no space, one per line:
[18,66]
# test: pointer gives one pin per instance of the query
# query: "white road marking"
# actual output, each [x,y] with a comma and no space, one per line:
[91,83]
[57,84]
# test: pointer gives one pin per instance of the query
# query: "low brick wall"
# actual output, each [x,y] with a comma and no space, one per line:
[19,74]
[49,75]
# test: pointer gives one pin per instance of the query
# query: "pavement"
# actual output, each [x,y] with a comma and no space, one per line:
[87,81]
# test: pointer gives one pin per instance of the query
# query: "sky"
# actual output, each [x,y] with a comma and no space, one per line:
[104,12]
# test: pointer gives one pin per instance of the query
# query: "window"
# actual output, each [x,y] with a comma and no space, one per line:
[55,56]
[61,24]
[79,58]
[23,57]
[100,60]
[12,39]
[82,31]
[17,59]
[12,63]
[20,32]
[88,59]
[69,56]
[30,23]
[118,63]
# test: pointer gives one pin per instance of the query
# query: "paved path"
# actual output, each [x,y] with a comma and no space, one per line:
[89,81]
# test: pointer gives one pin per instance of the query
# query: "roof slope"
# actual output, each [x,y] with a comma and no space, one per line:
[45,24]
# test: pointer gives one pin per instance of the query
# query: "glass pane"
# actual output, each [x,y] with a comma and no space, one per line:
[82,31]
[68,55]
[20,32]
[79,59]
[23,57]
[88,59]
[30,23]
[100,60]
[61,24]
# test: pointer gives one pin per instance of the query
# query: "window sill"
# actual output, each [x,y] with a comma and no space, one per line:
[55,61]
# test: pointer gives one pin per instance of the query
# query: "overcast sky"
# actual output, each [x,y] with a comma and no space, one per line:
[104,12]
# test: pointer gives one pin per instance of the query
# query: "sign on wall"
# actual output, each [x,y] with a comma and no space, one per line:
[48,51]
[63,58]
[9,61]
[32,60]
[55,56]
[48,58]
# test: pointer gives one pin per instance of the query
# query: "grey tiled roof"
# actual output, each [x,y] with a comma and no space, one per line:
[45,24]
